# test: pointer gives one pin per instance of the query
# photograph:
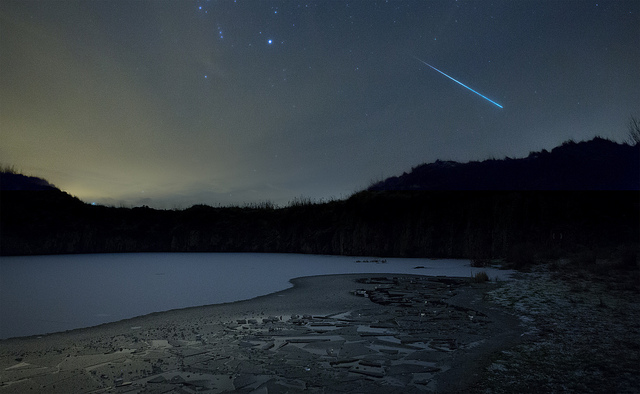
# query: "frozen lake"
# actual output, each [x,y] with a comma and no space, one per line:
[44,294]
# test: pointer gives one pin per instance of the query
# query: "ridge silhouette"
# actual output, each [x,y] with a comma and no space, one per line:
[598,164]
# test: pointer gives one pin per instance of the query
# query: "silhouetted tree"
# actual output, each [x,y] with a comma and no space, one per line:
[9,169]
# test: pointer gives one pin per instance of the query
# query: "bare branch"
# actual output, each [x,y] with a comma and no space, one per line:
[633,131]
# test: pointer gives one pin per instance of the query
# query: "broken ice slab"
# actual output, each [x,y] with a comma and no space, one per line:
[344,363]
[354,349]
[376,372]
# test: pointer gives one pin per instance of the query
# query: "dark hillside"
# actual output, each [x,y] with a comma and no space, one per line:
[471,223]
[13,181]
[598,164]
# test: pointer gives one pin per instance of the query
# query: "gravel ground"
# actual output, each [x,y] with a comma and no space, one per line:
[582,332]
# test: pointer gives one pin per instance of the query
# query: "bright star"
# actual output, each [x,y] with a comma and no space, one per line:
[270,42]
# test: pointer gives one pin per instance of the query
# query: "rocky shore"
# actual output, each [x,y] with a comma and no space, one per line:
[582,331]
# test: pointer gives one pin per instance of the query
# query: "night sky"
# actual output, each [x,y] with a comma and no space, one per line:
[173,103]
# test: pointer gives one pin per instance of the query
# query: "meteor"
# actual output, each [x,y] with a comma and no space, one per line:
[455,80]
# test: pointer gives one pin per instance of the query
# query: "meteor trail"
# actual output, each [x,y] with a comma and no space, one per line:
[455,80]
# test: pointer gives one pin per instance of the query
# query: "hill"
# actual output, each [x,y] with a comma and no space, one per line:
[598,164]
[10,180]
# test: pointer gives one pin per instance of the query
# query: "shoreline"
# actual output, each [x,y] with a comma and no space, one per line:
[129,285]
[299,285]
[427,341]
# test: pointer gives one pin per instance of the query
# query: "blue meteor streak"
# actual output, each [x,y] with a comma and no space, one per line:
[454,80]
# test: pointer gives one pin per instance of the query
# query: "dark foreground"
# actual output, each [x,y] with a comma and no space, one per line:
[408,334]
